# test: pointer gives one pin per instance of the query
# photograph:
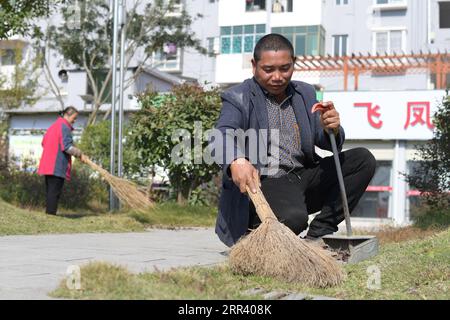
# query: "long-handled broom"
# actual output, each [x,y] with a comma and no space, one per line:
[125,190]
[274,250]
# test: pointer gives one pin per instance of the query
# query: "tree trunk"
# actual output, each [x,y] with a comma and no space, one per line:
[4,146]
[93,116]
[152,180]
[183,194]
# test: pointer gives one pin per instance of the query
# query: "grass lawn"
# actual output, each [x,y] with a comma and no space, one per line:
[411,269]
[17,221]
[172,215]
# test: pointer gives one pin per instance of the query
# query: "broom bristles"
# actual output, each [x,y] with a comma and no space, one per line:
[274,250]
[125,190]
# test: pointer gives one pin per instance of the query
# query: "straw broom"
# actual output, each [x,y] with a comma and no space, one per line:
[125,190]
[274,250]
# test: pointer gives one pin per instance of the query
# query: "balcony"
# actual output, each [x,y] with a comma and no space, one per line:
[255,5]
[390,5]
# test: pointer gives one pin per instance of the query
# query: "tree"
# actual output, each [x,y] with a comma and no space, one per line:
[84,39]
[95,142]
[154,125]
[432,174]
[16,15]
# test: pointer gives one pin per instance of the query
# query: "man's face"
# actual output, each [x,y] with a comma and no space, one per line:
[274,70]
[72,118]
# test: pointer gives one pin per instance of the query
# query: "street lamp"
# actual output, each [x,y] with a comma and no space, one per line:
[118,16]
[122,23]
[115,11]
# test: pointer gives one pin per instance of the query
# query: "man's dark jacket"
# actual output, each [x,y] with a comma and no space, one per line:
[244,107]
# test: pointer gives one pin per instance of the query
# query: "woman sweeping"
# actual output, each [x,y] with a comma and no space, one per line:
[56,160]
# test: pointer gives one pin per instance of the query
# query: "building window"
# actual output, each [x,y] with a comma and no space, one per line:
[444,15]
[237,44]
[389,42]
[375,202]
[306,40]
[390,1]
[279,6]
[390,5]
[414,198]
[255,5]
[240,39]
[8,57]
[167,59]
[341,2]
[340,45]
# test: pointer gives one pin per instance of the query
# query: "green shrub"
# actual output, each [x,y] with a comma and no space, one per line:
[96,143]
[429,217]
[156,136]
[206,195]
[27,189]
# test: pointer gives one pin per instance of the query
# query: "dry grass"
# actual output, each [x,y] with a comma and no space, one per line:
[397,235]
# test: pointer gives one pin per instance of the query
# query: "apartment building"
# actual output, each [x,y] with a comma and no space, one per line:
[335,27]
[171,66]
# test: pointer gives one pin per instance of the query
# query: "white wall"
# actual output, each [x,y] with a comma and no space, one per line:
[230,68]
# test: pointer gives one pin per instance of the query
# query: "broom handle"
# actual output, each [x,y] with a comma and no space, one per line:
[341,183]
[262,206]
[95,166]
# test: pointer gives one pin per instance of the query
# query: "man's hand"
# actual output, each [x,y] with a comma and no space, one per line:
[329,118]
[244,174]
[84,158]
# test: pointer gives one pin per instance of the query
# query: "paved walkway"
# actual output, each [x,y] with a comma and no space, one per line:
[32,266]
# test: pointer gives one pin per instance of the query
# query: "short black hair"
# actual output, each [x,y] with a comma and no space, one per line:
[69,111]
[272,42]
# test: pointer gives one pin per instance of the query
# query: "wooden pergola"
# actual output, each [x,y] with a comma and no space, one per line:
[388,64]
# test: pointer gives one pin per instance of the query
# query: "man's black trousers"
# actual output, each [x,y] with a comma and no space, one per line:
[54,186]
[310,190]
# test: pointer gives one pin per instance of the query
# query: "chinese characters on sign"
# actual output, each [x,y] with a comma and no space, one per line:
[418,113]
[372,112]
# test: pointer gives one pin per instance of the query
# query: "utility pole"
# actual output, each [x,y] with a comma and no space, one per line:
[122,24]
[115,13]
